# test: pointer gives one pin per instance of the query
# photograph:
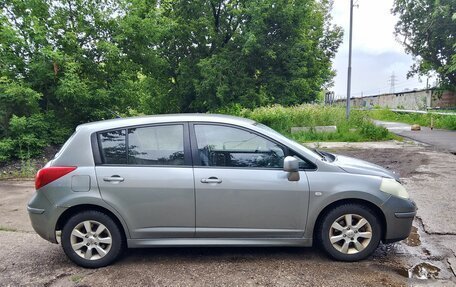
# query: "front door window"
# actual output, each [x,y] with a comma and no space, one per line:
[223,146]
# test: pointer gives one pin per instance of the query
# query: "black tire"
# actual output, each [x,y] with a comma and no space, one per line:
[349,237]
[115,248]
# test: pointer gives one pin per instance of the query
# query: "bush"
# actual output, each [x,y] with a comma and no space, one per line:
[358,128]
[373,132]
[28,136]
[6,149]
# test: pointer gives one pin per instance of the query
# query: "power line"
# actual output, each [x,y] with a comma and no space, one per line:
[384,89]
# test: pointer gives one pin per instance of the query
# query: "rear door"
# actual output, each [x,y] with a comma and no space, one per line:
[145,173]
[241,188]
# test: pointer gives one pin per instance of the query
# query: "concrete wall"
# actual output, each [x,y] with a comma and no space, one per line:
[445,100]
[413,100]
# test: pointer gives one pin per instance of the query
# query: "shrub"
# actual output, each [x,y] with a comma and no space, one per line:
[29,135]
[6,149]
[358,128]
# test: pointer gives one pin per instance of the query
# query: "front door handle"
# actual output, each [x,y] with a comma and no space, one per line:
[114,179]
[211,179]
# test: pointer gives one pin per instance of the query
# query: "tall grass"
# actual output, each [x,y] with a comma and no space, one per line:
[439,121]
[358,128]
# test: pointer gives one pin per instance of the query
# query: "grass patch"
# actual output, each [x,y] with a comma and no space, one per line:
[440,121]
[4,228]
[77,278]
[358,128]
[24,168]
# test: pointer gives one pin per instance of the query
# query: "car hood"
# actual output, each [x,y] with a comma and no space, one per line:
[357,166]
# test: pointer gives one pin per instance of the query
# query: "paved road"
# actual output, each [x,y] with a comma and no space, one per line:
[444,140]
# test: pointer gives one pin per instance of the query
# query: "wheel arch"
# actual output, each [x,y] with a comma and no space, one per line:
[378,212]
[69,212]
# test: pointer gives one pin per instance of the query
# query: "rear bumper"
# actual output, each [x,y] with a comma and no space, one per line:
[43,216]
[399,215]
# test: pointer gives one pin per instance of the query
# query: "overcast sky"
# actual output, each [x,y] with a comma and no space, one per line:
[376,54]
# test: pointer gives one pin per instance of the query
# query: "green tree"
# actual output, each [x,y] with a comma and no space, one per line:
[63,63]
[15,98]
[208,54]
[427,29]
[64,50]
[59,65]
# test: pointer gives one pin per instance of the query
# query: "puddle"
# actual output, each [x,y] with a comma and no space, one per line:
[422,271]
[414,238]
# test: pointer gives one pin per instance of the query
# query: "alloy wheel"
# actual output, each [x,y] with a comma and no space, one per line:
[350,233]
[91,240]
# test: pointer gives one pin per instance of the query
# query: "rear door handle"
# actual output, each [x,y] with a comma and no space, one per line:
[211,180]
[114,179]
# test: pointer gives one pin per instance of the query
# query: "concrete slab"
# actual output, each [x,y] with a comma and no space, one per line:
[325,129]
[319,129]
[299,129]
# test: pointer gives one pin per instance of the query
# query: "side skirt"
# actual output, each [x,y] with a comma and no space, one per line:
[218,242]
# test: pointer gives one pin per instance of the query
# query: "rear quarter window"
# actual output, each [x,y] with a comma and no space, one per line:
[113,147]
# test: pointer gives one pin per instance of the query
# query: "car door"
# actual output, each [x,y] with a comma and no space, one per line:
[241,188]
[145,173]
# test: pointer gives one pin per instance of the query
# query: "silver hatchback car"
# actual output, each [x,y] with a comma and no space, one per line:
[210,180]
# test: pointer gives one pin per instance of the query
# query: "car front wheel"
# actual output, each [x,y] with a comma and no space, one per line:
[92,239]
[350,232]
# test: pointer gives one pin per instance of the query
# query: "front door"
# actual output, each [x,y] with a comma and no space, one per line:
[150,183]
[241,188]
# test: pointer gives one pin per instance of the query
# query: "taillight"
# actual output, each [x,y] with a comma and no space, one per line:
[49,174]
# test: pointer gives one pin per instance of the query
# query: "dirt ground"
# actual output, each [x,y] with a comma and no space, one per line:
[425,258]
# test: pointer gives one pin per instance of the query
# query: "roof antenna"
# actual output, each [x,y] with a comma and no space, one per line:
[116,115]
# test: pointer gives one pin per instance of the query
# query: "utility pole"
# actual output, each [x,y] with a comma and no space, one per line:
[392,82]
[349,61]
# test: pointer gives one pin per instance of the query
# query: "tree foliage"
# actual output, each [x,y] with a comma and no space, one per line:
[427,29]
[73,61]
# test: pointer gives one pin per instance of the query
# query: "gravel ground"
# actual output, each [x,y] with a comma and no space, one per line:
[28,260]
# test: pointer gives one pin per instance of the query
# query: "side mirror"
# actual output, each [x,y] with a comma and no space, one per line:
[290,164]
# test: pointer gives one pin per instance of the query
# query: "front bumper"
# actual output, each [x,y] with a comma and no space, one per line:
[399,215]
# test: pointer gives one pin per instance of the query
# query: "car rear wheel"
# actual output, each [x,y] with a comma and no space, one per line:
[92,239]
[350,232]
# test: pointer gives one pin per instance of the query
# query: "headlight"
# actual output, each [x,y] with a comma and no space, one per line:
[393,187]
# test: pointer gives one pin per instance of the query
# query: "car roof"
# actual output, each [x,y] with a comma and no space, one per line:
[166,118]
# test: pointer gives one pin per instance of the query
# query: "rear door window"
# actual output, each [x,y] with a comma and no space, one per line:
[153,145]
[157,145]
